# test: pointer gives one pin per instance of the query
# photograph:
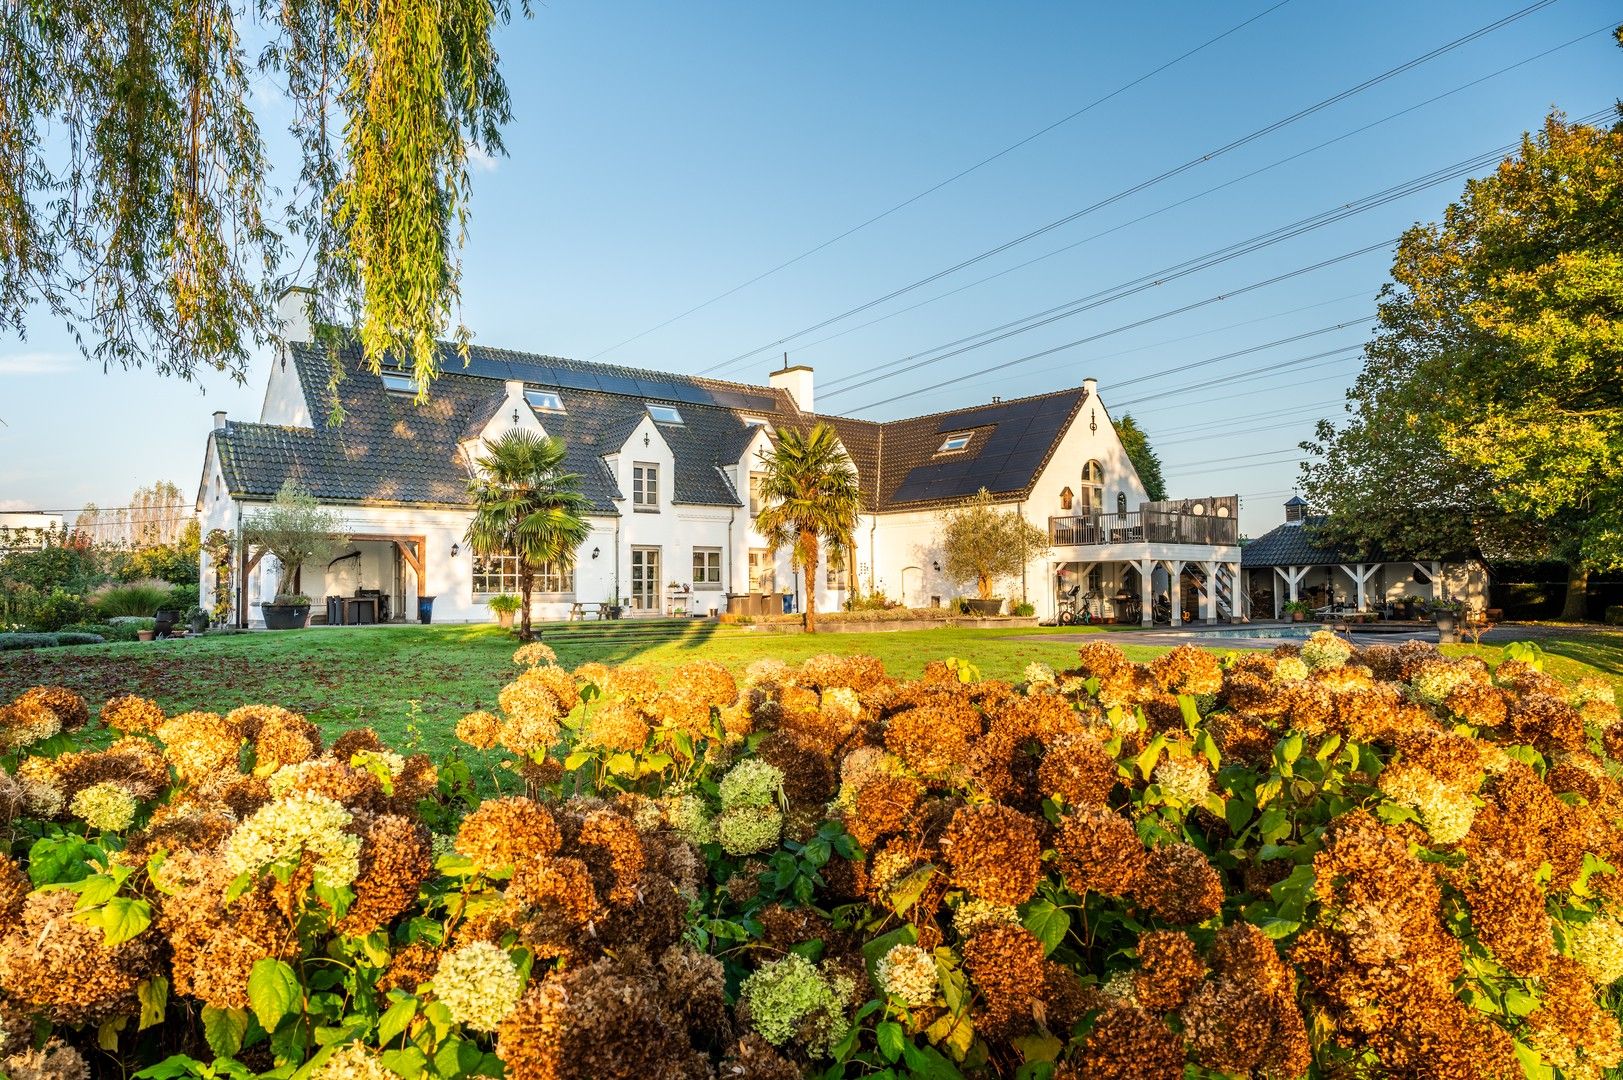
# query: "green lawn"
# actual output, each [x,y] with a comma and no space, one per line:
[385,676]
[389,676]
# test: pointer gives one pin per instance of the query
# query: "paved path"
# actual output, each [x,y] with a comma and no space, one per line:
[1364,635]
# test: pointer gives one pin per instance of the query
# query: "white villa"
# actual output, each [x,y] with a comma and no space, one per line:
[667,462]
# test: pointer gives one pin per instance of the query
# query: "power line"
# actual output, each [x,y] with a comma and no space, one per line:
[1156,278]
[1228,420]
[1361,294]
[949,180]
[1202,194]
[1192,163]
[1218,298]
[1325,359]
[1249,430]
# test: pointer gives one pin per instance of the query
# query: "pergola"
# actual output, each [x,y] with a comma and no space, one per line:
[412,551]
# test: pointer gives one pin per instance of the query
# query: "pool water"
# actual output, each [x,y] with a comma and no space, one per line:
[1295,630]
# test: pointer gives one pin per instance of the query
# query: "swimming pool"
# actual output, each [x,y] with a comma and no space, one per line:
[1294,630]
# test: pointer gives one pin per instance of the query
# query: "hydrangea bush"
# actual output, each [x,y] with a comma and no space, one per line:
[1321,861]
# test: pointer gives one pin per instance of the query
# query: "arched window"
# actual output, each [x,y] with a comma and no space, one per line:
[1121,502]
[1092,498]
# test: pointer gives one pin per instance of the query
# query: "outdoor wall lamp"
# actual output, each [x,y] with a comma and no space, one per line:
[937,567]
[596,552]
[456,549]
[515,416]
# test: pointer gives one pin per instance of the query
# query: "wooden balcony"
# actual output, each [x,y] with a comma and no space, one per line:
[1142,527]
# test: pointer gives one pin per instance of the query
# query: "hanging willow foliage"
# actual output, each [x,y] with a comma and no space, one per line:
[133,195]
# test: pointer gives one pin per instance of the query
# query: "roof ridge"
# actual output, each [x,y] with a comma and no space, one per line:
[987,405]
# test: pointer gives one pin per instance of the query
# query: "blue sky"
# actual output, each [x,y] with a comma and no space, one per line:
[662,154]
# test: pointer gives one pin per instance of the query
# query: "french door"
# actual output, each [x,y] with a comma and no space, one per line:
[645,579]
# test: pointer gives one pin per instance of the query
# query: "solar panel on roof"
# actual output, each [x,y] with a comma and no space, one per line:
[618,384]
[690,393]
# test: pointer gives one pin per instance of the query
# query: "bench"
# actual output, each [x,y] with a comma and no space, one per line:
[579,610]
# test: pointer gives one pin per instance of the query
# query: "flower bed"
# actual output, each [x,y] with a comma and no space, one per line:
[1318,861]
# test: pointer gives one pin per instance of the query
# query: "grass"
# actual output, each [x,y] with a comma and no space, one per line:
[412,683]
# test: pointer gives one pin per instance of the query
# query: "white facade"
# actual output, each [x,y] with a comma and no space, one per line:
[634,556]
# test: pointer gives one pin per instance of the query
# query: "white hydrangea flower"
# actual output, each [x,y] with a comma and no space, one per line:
[907,972]
[972,916]
[388,759]
[1598,946]
[284,830]
[1183,780]
[752,782]
[353,1062]
[842,699]
[105,806]
[1290,669]
[1324,650]
[1445,812]
[478,985]
[1039,674]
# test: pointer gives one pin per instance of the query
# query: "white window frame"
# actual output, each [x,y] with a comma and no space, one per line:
[838,579]
[756,502]
[762,570]
[498,573]
[956,443]
[645,486]
[398,382]
[707,568]
[555,401]
[664,414]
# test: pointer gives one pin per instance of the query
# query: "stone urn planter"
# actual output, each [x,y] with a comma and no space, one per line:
[1448,628]
[285,616]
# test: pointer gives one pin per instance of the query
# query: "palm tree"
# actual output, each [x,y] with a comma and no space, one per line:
[809,494]
[526,505]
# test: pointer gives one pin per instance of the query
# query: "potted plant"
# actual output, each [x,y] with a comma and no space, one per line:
[294,529]
[1297,609]
[983,542]
[505,605]
[1446,614]
[197,620]
[145,634]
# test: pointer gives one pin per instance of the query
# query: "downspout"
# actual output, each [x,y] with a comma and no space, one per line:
[617,520]
[242,573]
[732,516]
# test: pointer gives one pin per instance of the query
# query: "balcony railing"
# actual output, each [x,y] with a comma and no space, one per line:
[1141,527]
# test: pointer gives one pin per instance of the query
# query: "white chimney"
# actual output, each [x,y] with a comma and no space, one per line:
[797,381]
[1091,387]
[219,420]
[293,311]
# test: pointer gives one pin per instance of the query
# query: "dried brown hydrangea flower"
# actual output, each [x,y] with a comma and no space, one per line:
[132,715]
[614,725]
[1188,670]
[1006,963]
[1078,769]
[395,861]
[70,709]
[1128,1043]
[993,852]
[58,964]
[1546,722]
[355,741]
[507,831]
[200,745]
[1099,851]
[1229,1025]
[480,730]
[934,738]
[1179,886]
[1168,969]
[56,1060]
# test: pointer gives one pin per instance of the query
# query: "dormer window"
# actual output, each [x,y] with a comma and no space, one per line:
[546,401]
[397,382]
[664,414]
[955,443]
[757,421]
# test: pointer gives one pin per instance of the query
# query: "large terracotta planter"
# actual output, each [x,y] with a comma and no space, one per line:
[285,616]
[505,619]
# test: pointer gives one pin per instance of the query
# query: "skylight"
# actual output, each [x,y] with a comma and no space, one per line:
[399,383]
[955,442]
[544,400]
[664,414]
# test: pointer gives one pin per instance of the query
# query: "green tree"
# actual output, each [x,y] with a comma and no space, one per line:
[809,496]
[1492,389]
[1145,460]
[980,541]
[526,505]
[133,196]
[296,530]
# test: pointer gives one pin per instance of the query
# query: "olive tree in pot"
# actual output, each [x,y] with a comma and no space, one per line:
[294,530]
[987,544]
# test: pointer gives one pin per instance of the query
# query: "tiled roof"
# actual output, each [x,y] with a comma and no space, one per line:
[390,451]
[1290,545]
